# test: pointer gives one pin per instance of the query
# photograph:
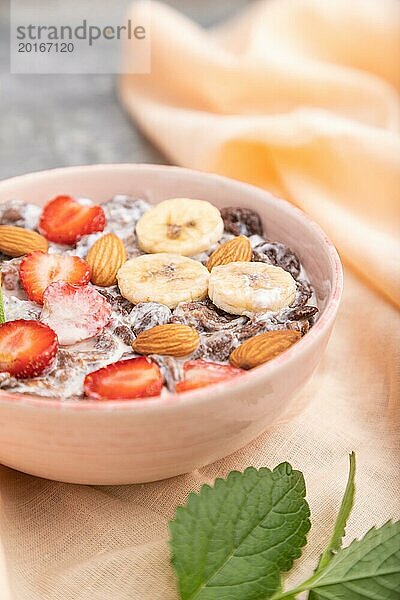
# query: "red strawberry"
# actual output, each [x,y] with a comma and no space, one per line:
[65,220]
[26,347]
[125,380]
[75,312]
[200,373]
[38,270]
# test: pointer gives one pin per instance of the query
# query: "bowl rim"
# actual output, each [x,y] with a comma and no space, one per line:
[200,395]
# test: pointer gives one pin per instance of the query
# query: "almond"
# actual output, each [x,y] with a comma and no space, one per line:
[105,258]
[172,339]
[17,241]
[262,348]
[236,250]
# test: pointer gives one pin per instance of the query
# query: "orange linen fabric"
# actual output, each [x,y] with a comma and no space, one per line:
[298,96]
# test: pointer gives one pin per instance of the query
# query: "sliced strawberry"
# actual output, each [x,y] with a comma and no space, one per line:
[65,220]
[38,270]
[26,347]
[200,373]
[75,312]
[125,380]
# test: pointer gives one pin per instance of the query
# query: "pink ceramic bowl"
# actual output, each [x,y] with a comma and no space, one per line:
[144,440]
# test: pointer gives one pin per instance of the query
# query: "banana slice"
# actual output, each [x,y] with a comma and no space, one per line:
[165,278]
[181,226]
[245,288]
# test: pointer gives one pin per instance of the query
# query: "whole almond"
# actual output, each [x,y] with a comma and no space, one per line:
[236,250]
[17,241]
[105,258]
[262,348]
[171,339]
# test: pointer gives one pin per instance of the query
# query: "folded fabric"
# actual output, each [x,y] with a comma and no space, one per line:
[299,97]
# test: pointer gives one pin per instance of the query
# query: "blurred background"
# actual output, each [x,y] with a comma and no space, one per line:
[61,120]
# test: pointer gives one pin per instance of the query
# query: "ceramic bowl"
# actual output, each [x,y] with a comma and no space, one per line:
[145,440]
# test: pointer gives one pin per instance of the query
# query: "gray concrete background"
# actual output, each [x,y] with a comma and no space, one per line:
[61,120]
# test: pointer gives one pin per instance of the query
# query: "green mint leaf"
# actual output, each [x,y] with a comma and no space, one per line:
[2,315]
[232,541]
[368,569]
[335,542]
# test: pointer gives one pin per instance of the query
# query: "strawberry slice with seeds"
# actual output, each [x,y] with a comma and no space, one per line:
[26,348]
[65,220]
[125,380]
[75,312]
[38,270]
[200,373]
